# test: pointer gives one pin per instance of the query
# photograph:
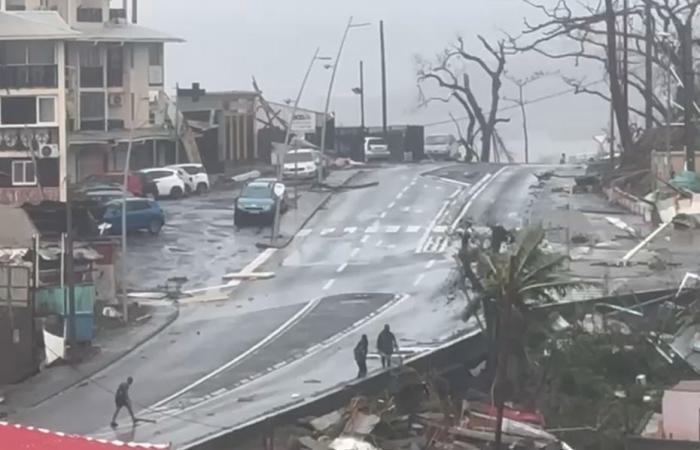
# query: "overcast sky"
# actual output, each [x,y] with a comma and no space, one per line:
[229,41]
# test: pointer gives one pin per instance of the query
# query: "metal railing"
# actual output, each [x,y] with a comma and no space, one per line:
[29,76]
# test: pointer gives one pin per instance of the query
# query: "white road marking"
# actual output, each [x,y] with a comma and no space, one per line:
[428,230]
[419,279]
[365,238]
[430,264]
[391,205]
[443,245]
[440,228]
[281,329]
[355,251]
[475,191]
[379,243]
[328,284]
[305,232]
[382,215]
[250,268]
[455,193]
[399,195]
[342,267]
[327,231]
[333,340]
[372,229]
[393,229]
[350,230]
[413,229]
[425,186]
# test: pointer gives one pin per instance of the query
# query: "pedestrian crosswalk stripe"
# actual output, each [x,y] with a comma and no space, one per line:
[327,231]
[413,229]
[393,229]
[440,228]
[350,230]
[305,232]
[372,230]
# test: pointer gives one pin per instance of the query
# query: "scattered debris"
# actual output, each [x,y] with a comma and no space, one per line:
[544,176]
[327,421]
[580,238]
[558,189]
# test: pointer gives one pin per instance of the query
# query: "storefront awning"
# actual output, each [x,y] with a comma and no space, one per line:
[120,136]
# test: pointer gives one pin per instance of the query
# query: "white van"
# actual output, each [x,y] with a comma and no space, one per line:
[441,146]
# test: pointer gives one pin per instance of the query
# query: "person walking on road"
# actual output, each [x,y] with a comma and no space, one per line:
[361,350]
[386,345]
[122,400]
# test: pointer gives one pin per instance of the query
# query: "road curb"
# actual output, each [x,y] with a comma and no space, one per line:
[310,216]
[168,321]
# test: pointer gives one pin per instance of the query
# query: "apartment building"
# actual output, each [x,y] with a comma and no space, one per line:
[79,79]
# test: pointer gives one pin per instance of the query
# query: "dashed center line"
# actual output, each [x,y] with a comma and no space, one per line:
[327,231]
[328,284]
[430,264]
[365,238]
[382,215]
[391,205]
[399,195]
[379,243]
[355,250]
[418,279]
[342,267]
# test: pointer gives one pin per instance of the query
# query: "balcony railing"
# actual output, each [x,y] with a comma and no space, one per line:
[29,76]
[115,78]
[91,77]
[93,15]
[117,14]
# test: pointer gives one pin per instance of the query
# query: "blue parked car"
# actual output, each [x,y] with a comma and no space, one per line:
[141,214]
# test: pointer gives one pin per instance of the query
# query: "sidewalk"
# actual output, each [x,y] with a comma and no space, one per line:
[112,345]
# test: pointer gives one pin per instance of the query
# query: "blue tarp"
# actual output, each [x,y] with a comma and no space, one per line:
[686,180]
[54,300]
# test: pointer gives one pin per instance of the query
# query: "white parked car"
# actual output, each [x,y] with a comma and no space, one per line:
[169,181]
[301,163]
[196,177]
[441,146]
[376,148]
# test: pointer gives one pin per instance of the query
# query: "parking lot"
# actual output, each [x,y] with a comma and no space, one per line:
[198,242]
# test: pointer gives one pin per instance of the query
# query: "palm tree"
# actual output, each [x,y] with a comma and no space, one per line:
[511,282]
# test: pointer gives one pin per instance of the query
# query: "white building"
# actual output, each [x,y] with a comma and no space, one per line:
[78,79]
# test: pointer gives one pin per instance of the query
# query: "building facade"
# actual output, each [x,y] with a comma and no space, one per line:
[79,80]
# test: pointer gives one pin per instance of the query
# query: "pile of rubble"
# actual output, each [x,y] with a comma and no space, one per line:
[416,418]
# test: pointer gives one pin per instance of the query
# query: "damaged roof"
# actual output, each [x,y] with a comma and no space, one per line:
[34,25]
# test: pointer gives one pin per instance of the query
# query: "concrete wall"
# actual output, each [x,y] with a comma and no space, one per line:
[681,415]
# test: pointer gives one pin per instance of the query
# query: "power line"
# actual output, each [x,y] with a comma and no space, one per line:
[529,102]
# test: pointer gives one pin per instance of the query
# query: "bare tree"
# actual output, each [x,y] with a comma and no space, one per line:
[445,72]
[590,30]
[520,83]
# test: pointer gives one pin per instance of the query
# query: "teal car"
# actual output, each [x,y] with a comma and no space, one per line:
[256,204]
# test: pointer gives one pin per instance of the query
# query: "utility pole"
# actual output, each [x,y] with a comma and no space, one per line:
[362,97]
[177,123]
[383,55]
[648,70]
[625,54]
[69,266]
[688,92]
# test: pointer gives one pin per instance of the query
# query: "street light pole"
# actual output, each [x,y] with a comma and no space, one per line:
[330,90]
[288,134]
[362,96]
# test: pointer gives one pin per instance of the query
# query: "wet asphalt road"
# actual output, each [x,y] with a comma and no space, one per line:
[386,239]
[198,242]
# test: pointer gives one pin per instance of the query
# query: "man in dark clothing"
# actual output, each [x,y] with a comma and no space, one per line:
[386,345]
[122,400]
[361,350]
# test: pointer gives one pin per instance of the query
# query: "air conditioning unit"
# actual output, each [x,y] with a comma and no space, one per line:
[47,151]
[115,99]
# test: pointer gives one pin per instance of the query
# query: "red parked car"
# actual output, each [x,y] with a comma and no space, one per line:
[137,183]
